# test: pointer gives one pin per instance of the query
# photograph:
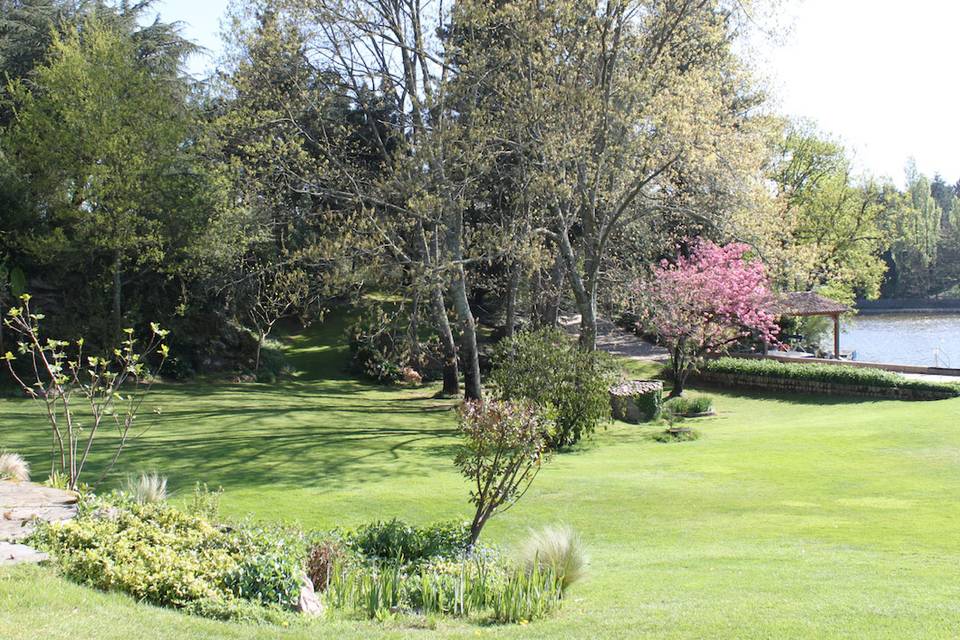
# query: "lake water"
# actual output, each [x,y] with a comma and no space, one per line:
[903,338]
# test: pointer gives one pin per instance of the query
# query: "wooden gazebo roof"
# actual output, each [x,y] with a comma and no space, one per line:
[808,303]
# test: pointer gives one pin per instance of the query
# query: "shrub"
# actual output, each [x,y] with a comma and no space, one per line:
[843,375]
[166,557]
[82,392]
[14,467]
[569,385]
[397,540]
[558,549]
[205,503]
[148,487]
[270,578]
[504,446]
[683,406]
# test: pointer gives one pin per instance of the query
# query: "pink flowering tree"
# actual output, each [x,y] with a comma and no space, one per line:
[703,304]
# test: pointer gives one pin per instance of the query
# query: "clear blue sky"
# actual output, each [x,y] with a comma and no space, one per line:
[876,74]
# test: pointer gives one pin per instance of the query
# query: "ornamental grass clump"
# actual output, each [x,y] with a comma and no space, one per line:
[147,488]
[557,548]
[14,467]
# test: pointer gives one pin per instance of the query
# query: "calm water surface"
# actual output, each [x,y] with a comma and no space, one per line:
[904,338]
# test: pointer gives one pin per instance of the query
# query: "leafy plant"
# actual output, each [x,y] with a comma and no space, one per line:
[568,384]
[271,577]
[322,561]
[683,406]
[843,375]
[482,584]
[504,446]
[557,548]
[527,594]
[111,390]
[163,556]
[14,467]
[397,540]
[205,503]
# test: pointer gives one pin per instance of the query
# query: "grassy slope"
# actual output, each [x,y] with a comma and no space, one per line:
[789,518]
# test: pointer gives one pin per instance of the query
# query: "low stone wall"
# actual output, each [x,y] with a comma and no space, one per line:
[636,401]
[782,385]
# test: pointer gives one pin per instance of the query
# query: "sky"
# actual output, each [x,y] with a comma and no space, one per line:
[875,75]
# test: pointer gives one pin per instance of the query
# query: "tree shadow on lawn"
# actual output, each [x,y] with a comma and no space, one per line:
[327,435]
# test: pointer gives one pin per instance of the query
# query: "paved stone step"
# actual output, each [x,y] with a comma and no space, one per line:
[11,554]
[22,504]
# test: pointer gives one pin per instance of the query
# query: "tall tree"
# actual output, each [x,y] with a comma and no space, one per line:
[626,110]
[98,146]
[826,224]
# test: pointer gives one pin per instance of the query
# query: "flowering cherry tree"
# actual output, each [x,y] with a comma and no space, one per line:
[703,304]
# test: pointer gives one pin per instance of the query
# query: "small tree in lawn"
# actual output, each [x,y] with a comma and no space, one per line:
[82,394]
[505,444]
[270,294]
[703,304]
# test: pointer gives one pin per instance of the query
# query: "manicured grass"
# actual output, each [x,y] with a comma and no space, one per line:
[789,518]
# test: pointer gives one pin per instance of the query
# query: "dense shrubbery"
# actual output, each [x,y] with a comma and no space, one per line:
[683,406]
[827,373]
[397,540]
[166,557]
[570,385]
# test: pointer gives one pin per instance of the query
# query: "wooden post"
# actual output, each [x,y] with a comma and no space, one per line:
[836,336]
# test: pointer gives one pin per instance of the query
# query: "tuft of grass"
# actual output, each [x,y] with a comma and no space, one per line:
[14,467]
[147,488]
[557,548]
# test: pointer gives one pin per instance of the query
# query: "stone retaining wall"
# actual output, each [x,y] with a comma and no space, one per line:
[782,385]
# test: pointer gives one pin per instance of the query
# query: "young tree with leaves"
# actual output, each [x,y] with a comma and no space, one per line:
[702,304]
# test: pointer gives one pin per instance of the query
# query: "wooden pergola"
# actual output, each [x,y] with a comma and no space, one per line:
[810,303]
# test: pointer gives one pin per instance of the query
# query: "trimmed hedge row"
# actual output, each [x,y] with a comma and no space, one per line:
[822,377]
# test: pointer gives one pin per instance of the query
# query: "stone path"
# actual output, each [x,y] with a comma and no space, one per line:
[22,504]
[615,340]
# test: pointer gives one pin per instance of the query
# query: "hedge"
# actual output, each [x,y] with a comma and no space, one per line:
[828,374]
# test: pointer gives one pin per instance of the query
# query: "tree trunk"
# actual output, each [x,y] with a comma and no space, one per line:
[451,372]
[512,286]
[413,330]
[256,359]
[584,293]
[479,519]
[470,357]
[551,312]
[117,297]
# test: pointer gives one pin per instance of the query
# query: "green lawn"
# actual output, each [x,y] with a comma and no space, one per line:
[789,518]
